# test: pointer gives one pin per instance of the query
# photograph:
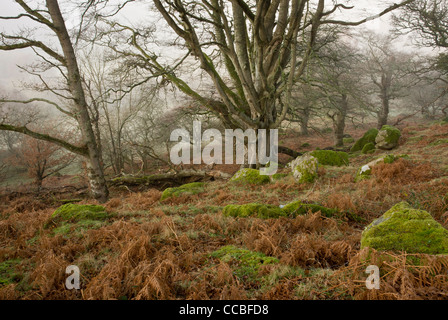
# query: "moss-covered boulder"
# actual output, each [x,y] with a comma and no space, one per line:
[76,212]
[404,228]
[368,148]
[304,168]
[186,189]
[250,176]
[387,138]
[330,157]
[368,137]
[253,210]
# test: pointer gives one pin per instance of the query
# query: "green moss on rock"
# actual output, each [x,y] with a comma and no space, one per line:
[331,158]
[403,228]
[253,210]
[292,209]
[387,138]
[297,208]
[368,137]
[250,176]
[245,263]
[189,189]
[304,168]
[368,148]
[76,212]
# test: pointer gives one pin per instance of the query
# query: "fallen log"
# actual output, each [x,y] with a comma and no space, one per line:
[289,152]
[165,180]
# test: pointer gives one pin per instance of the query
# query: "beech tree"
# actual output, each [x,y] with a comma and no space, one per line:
[64,60]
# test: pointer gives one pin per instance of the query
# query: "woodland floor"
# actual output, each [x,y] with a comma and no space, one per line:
[149,249]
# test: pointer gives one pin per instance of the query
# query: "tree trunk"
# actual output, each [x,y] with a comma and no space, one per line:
[383,113]
[94,164]
[339,122]
[304,119]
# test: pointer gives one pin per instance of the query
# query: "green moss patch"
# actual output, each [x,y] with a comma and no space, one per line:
[368,137]
[75,212]
[331,158]
[404,228]
[186,189]
[299,208]
[245,263]
[253,210]
[250,176]
[292,209]
[368,148]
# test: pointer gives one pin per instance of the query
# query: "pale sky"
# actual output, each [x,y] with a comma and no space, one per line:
[10,75]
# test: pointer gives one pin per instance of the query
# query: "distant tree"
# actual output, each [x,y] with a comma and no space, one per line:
[336,75]
[429,20]
[40,158]
[391,73]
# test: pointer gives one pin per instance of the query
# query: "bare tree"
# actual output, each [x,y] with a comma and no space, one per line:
[40,158]
[391,72]
[252,51]
[336,77]
[73,94]
[427,18]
